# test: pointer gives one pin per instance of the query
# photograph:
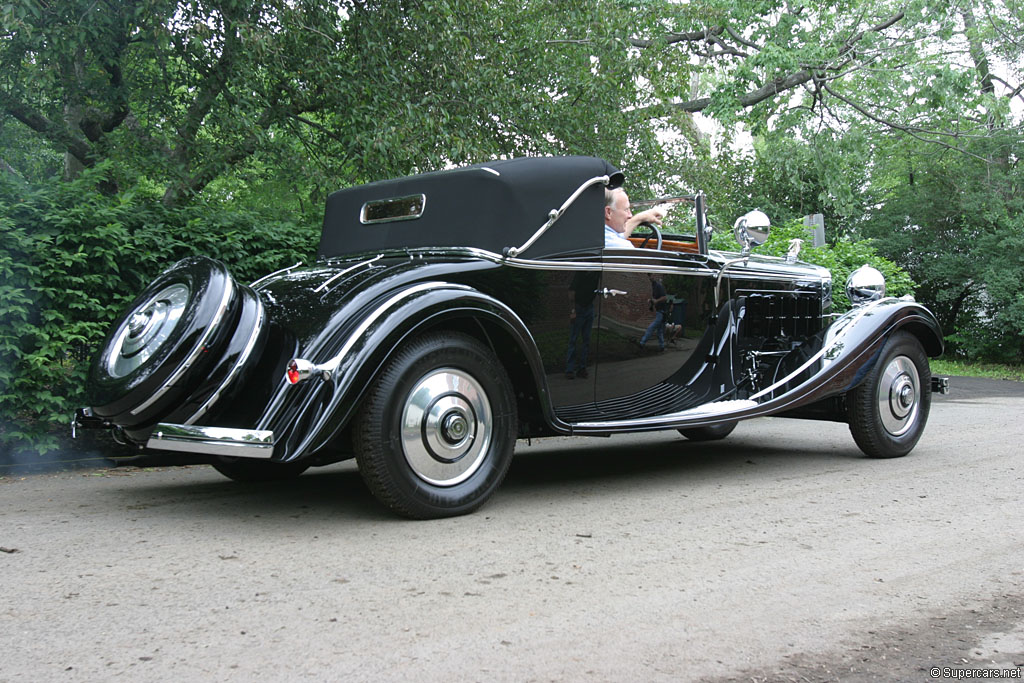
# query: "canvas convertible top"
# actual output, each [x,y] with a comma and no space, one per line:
[488,206]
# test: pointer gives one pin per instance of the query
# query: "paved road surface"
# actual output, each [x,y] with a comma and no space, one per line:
[778,554]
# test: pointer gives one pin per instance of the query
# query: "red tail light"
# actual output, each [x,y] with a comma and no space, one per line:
[299,370]
[293,374]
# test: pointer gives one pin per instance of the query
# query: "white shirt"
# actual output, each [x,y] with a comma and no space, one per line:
[612,238]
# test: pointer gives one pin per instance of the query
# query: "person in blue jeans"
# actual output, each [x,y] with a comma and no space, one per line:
[582,291]
[659,304]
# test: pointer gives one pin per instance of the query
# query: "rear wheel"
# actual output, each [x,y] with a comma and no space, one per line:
[709,432]
[889,409]
[437,430]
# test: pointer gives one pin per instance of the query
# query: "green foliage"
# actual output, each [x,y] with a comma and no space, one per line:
[174,111]
[72,258]
[945,366]
[279,102]
[957,224]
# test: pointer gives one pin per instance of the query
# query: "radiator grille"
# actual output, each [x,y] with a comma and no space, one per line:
[793,315]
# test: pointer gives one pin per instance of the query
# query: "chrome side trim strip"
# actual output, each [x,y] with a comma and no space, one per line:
[334,277]
[333,364]
[698,269]
[751,407]
[238,443]
[837,330]
[196,351]
[243,358]
[276,272]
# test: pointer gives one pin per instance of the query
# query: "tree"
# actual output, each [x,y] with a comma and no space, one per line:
[901,122]
[188,93]
[177,91]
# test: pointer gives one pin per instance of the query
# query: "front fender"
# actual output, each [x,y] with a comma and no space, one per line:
[869,328]
[345,369]
[849,350]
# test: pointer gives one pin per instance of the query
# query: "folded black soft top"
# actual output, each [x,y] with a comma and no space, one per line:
[488,206]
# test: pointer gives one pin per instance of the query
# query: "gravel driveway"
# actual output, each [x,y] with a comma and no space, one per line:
[778,554]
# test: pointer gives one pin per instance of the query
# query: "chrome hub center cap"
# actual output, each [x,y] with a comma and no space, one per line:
[147,329]
[446,427]
[139,322]
[454,427]
[902,396]
[898,395]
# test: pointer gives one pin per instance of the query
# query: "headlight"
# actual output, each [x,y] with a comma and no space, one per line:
[866,284]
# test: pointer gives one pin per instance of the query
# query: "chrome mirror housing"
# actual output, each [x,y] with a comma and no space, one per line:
[866,284]
[751,230]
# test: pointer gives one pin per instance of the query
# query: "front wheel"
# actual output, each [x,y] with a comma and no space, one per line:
[889,409]
[436,433]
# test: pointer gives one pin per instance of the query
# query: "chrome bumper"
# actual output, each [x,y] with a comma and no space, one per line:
[238,443]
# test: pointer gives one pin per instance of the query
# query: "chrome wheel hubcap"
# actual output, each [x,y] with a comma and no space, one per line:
[446,427]
[899,393]
[147,329]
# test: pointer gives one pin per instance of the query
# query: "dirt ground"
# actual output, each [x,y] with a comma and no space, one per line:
[779,554]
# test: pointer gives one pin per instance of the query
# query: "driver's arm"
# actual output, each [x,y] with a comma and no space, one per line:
[649,216]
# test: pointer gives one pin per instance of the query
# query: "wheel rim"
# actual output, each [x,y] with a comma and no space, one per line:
[146,329]
[899,395]
[446,427]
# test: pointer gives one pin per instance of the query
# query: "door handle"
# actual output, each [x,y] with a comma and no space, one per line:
[609,292]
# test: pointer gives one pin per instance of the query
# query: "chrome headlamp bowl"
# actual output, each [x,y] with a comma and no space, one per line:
[751,230]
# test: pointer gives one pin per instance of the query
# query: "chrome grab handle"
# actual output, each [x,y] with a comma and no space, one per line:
[609,292]
[554,215]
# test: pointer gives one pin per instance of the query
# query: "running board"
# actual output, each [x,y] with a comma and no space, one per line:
[718,409]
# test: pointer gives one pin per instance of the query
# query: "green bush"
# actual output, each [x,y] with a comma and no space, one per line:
[841,259]
[72,258]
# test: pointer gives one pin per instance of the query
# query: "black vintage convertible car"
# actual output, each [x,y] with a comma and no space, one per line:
[450,313]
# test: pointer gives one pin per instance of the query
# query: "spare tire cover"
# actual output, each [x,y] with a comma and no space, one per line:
[162,341]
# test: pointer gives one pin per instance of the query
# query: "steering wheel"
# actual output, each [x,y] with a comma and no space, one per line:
[654,233]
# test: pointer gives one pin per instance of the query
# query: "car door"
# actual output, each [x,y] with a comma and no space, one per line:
[642,370]
[563,307]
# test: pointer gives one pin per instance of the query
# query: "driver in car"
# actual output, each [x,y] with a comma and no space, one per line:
[619,221]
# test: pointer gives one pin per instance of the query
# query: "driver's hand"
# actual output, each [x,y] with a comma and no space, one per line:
[654,216]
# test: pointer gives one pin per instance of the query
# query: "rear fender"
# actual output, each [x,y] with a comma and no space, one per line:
[346,369]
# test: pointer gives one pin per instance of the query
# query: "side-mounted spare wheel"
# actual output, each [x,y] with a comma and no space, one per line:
[437,430]
[176,348]
[889,409]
